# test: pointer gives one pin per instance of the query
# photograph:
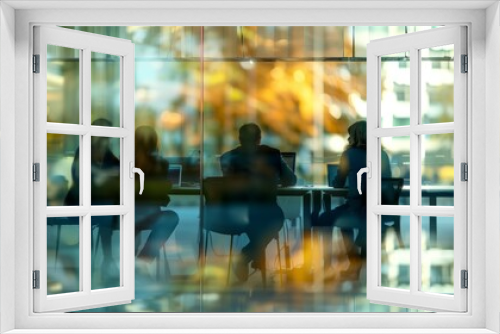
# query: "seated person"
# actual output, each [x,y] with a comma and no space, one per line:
[148,213]
[264,168]
[352,214]
[105,190]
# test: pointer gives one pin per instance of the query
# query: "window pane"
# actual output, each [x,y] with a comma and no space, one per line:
[437,82]
[437,254]
[105,85]
[105,262]
[395,170]
[395,90]
[277,78]
[395,252]
[437,169]
[105,167]
[63,255]
[63,85]
[63,170]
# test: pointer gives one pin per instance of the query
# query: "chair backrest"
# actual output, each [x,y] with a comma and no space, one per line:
[226,204]
[220,190]
[391,190]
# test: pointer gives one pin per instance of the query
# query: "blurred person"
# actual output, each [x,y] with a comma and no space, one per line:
[149,215]
[352,214]
[105,190]
[264,169]
[57,189]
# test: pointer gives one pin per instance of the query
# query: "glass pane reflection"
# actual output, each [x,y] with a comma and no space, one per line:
[395,252]
[63,255]
[105,171]
[62,173]
[395,90]
[437,169]
[395,170]
[63,85]
[105,76]
[437,254]
[105,261]
[437,82]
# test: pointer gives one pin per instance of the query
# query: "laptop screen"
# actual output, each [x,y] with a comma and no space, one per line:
[289,158]
[174,175]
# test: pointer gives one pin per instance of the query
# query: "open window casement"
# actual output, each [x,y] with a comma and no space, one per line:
[421,252]
[79,221]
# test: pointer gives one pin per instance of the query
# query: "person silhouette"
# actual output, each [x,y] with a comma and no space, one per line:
[104,190]
[149,214]
[264,169]
[352,214]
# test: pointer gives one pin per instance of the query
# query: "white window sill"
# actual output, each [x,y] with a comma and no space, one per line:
[251,331]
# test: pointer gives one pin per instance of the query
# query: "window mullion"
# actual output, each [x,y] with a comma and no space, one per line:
[85,161]
[414,171]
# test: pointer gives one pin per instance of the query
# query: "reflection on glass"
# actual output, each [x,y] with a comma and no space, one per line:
[63,255]
[395,170]
[105,171]
[63,85]
[395,252]
[437,169]
[105,76]
[105,261]
[155,220]
[395,90]
[302,106]
[62,175]
[436,79]
[437,254]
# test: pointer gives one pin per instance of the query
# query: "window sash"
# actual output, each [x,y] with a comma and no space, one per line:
[26,319]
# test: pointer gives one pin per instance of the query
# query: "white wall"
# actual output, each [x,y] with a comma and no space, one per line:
[7,56]
[478,123]
[492,147]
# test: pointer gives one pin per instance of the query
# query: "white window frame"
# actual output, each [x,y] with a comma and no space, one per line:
[483,310]
[85,43]
[413,43]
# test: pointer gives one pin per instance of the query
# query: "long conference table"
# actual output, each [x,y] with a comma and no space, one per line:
[315,197]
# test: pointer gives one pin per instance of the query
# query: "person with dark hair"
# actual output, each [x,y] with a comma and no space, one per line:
[352,214]
[104,190]
[148,212]
[264,169]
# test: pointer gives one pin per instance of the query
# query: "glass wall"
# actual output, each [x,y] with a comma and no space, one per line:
[304,87]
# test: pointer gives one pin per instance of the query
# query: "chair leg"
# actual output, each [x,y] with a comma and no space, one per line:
[279,258]
[206,247]
[158,268]
[230,260]
[167,266]
[58,240]
[204,261]
[93,262]
[397,229]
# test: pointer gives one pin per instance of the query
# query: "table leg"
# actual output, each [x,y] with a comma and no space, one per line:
[433,224]
[306,207]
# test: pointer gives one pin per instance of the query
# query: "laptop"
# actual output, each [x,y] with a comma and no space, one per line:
[175,175]
[289,158]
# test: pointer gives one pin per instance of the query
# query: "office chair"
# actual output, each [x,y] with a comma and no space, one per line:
[391,191]
[226,212]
